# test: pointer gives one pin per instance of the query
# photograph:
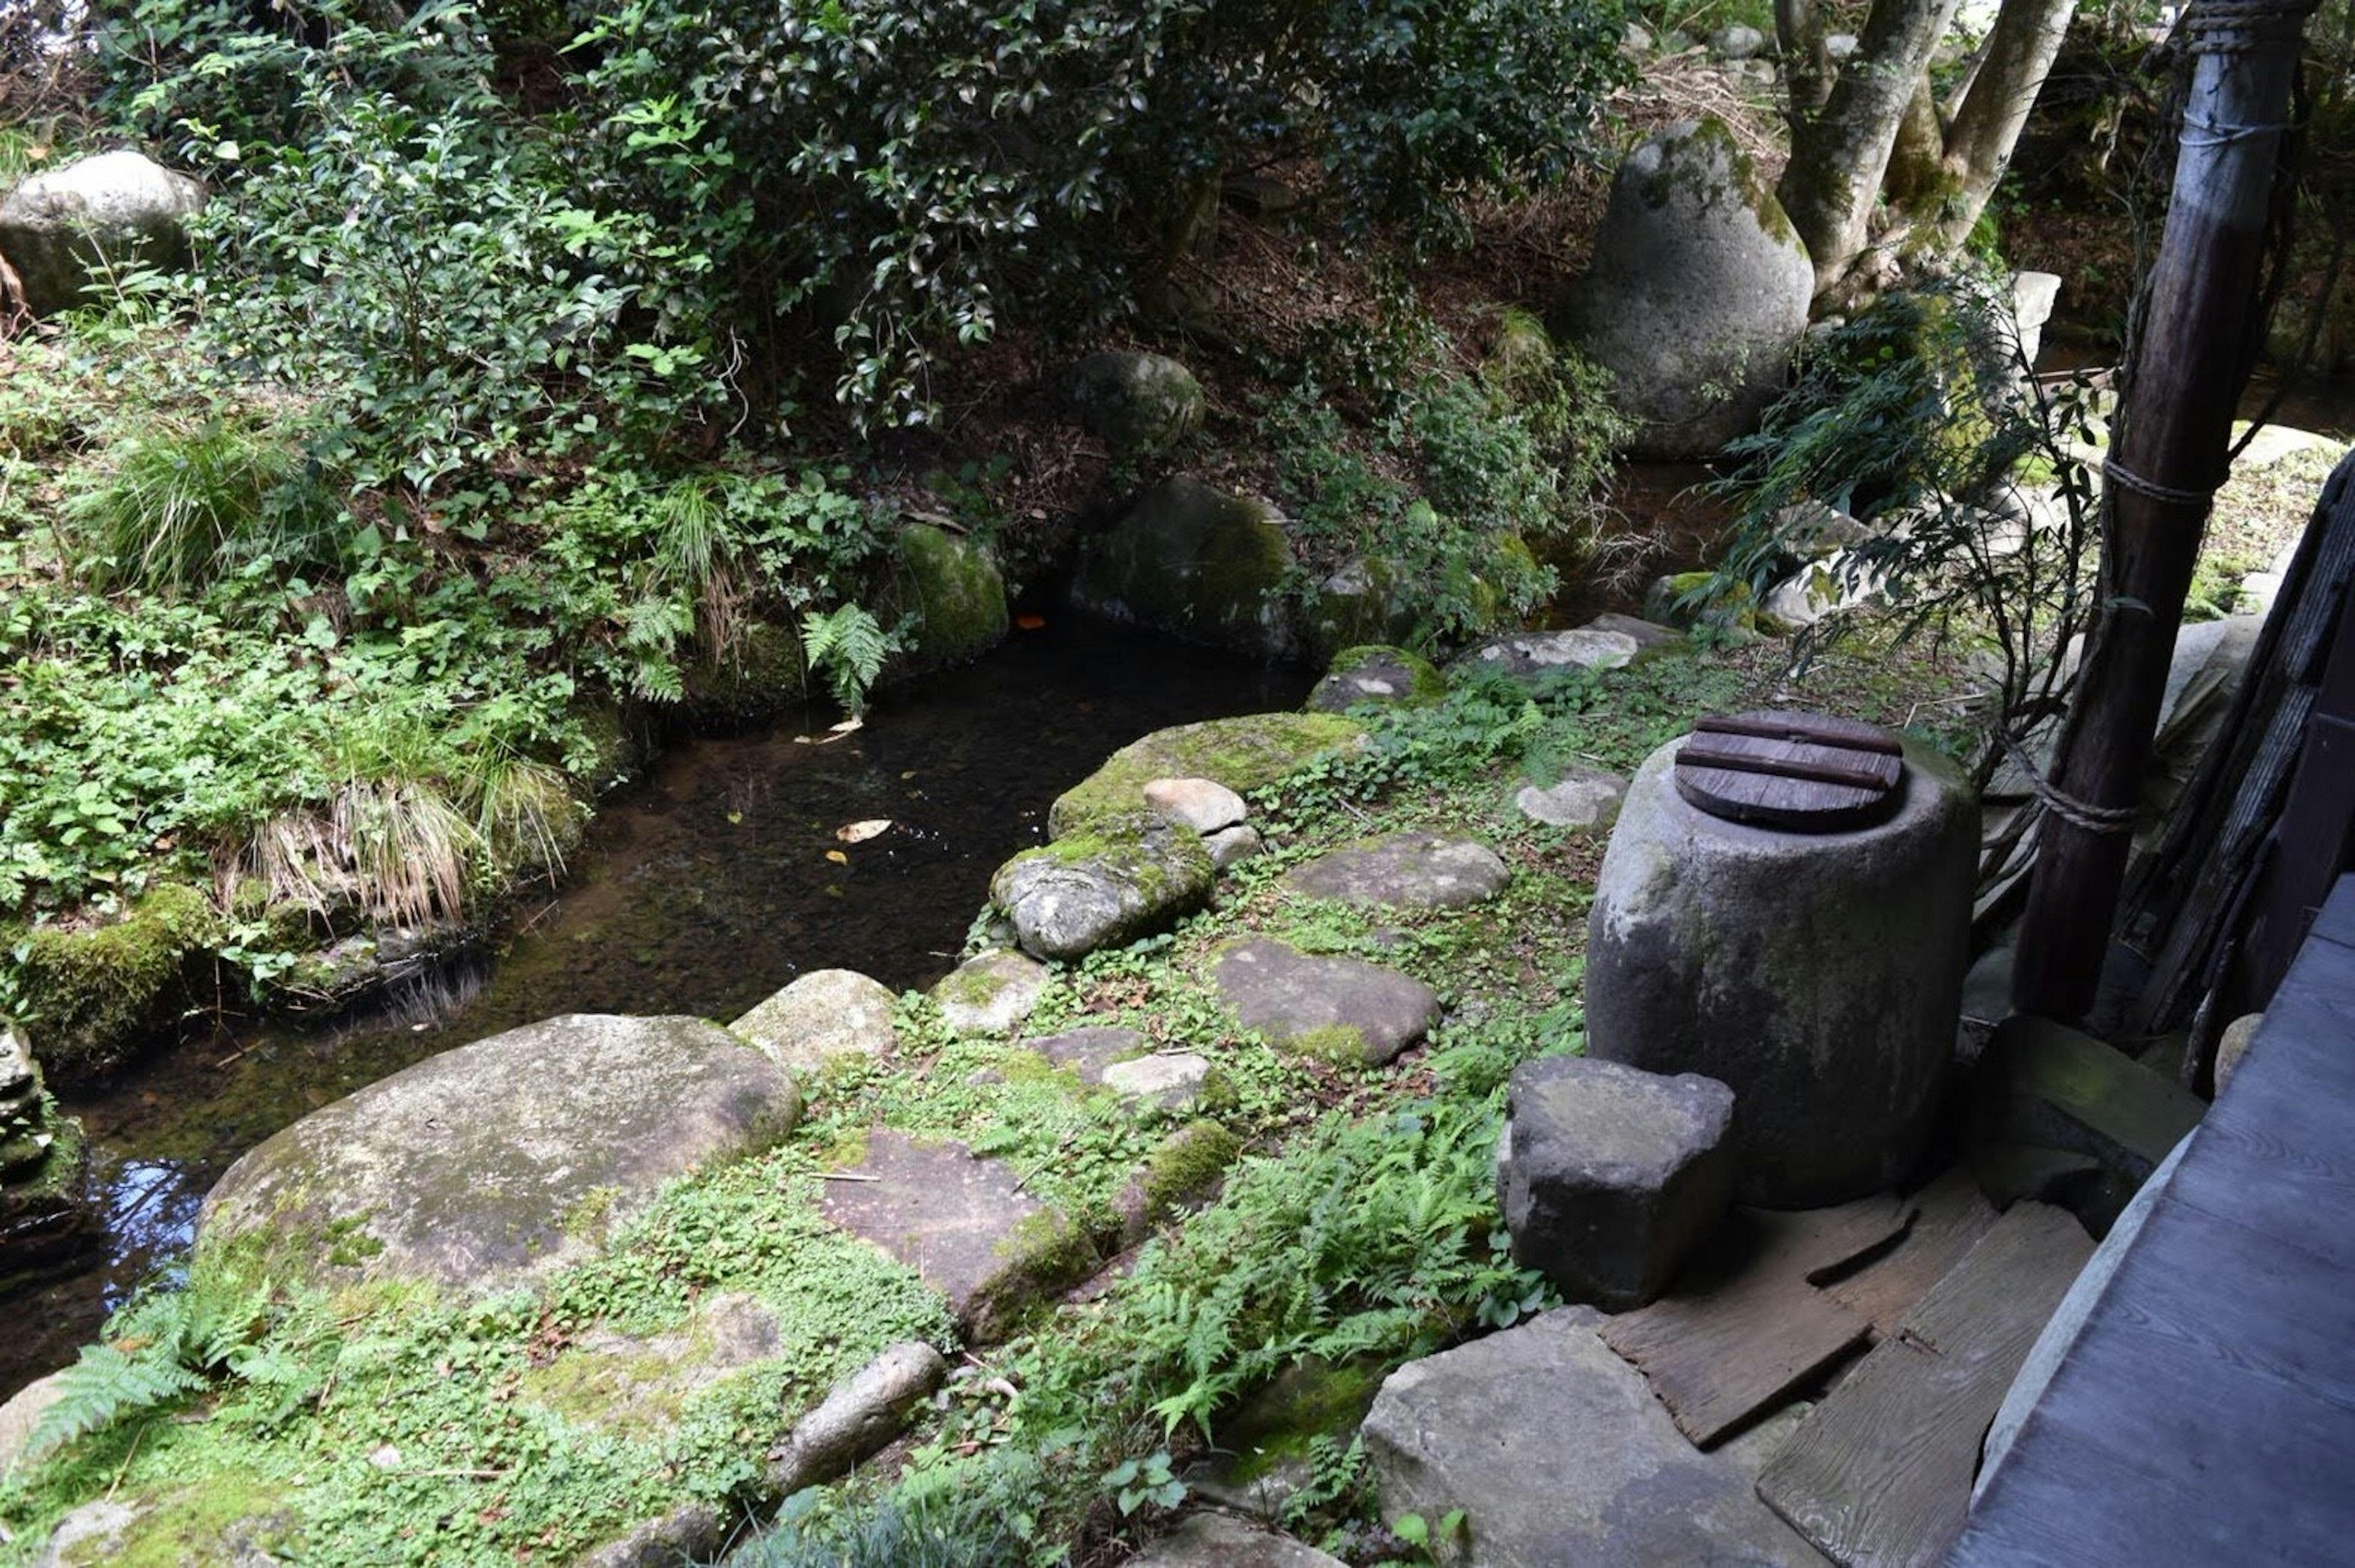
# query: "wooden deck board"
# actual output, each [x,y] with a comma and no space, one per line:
[1878,1475]
[2205,1410]
[1951,1218]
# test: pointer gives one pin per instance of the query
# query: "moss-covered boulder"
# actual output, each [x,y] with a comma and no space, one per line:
[490,1165]
[760,671]
[1376,673]
[1197,564]
[94,994]
[952,586]
[1358,603]
[1244,753]
[1070,897]
[91,218]
[1697,293]
[1138,402]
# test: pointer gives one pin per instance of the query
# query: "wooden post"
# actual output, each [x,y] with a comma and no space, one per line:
[2192,359]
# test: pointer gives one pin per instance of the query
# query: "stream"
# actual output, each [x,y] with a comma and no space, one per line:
[701,888]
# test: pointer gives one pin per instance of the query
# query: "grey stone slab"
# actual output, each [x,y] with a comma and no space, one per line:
[1336,1005]
[824,1014]
[1089,1050]
[1582,798]
[991,993]
[1412,871]
[1204,1539]
[481,1167]
[1559,1455]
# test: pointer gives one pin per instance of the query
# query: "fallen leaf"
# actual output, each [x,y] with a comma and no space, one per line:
[1030,623]
[860,832]
[846,726]
[837,857]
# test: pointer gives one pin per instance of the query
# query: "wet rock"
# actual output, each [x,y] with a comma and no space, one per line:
[1138,402]
[1204,1539]
[857,1417]
[493,1164]
[1582,798]
[1531,656]
[1171,1082]
[91,218]
[1407,870]
[1558,1453]
[1696,295]
[1198,564]
[962,1223]
[1244,753]
[1072,897]
[823,1015]
[1087,1052]
[1608,1176]
[1332,1006]
[991,994]
[1205,805]
[1378,673]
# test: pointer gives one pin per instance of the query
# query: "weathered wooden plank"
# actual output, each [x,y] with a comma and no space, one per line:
[1880,1472]
[1951,1216]
[1744,1327]
[2336,923]
[2259,1171]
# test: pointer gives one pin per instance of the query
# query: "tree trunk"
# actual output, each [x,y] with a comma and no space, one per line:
[2188,371]
[1807,67]
[1986,125]
[1837,157]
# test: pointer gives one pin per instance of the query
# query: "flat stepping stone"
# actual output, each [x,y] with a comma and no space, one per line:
[1583,797]
[1089,1050]
[475,1167]
[824,1014]
[1171,1081]
[991,994]
[1558,1453]
[1205,1540]
[1533,655]
[1333,1007]
[1069,897]
[962,1223]
[1414,871]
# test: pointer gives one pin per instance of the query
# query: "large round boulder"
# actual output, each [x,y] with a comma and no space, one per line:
[952,587]
[1197,564]
[1818,975]
[1697,295]
[1138,402]
[80,220]
[488,1165]
[1069,897]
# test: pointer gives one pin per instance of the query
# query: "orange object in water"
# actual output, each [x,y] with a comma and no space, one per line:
[1030,623]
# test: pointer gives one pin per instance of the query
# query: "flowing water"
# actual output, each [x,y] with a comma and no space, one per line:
[701,889]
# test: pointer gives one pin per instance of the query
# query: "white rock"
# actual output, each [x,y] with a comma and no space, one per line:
[1203,805]
[1171,1081]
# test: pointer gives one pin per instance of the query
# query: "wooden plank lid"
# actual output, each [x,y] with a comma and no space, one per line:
[1803,773]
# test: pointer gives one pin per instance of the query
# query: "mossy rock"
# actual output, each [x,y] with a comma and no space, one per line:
[1137,402]
[1244,753]
[1200,565]
[1186,1164]
[94,995]
[1358,603]
[952,587]
[1078,894]
[1734,609]
[1378,673]
[224,1516]
[760,672]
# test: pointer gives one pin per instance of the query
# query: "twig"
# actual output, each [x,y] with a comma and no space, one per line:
[120,1470]
[847,1175]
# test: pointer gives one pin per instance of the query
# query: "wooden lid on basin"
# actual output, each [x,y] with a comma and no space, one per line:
[1802,772]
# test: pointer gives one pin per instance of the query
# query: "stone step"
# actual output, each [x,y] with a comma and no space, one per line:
[1404,871]
[1339,1008]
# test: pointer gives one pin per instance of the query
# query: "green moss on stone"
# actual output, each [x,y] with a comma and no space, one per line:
[1311,1399]
[956,592]
[95,994]
[1185,1165]
[1243,753]
[1337,1043]
[1199,564]
[761,671]
[230,1516]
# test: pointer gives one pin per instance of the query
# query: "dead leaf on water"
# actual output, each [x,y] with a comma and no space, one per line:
[837,857]
[860,832]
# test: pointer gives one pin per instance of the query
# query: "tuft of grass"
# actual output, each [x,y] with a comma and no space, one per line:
[180,509]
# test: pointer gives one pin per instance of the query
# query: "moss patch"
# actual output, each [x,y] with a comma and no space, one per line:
[1243,753]
[226,1518]
[1186,1164]
[96,994]
[954,589]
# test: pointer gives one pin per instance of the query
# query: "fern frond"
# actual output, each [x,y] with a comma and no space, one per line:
[102,1388]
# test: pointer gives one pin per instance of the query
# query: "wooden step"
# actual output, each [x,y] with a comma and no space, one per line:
[1879,1472]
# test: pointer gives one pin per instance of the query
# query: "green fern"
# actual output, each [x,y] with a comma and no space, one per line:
[105,1386]
[161,1348]
[848,645]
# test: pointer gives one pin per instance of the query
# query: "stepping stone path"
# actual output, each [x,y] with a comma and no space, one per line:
[1532,655]
[959,1220]
[1331,1006]
[1583,797]
[1608,1176]
[1218,1540]
[826,1014]
[991,994]
[1558,1453]
[1092,1050]
[1414,871]
[475,1166]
